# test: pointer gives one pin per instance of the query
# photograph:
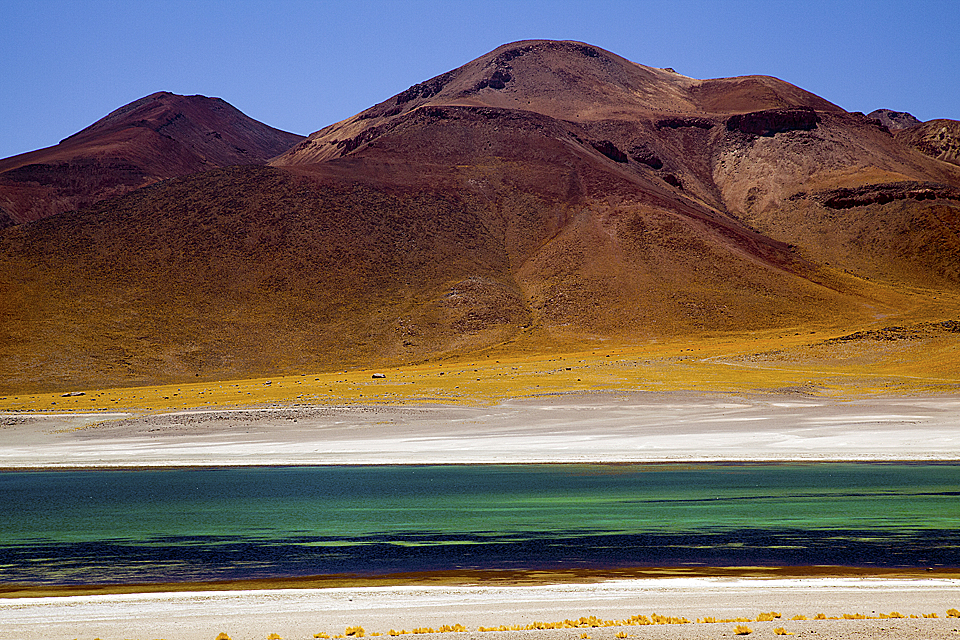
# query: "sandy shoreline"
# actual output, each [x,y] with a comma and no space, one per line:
[301,613]
[610,427]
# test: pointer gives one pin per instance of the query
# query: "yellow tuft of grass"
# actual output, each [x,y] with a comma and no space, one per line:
[321,636]
[584,636]
[274,636]
[953,613]
[892,614]
[742,630]
[780,631]
[707,620]
[223,636]
[799,616]
[354,632]
[621,634]
[768,617]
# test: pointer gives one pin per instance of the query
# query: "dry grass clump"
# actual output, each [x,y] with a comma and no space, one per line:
[780,631]
[768,617]
[355,632]
[799,616]
[892,614]
[621,634]
[953,613]
[274,636]
[742,630]
[223,636]
[321,636]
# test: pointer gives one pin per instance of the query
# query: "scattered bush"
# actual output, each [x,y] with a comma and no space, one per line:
[953,613]
[321,635]
[223,636]
[768,617]
[274,636]
[780,631]
[621,634]
[799,617]
[742,630]
[892,614]
[354,632]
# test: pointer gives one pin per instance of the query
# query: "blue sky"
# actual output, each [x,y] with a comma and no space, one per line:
[300,65]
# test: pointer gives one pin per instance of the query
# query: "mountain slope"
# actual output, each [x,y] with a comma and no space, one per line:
[548,195]
[157,137]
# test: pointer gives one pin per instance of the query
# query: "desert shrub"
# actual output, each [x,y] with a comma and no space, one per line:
[854,616]
[767,617]
[892,614]
[355,632]
[780,631]
[621,634]
[223,636]
[953,613]
[321,635]
[584,636]
[274,636]
[707,620]
[799,616]
[820,616]
[742,630]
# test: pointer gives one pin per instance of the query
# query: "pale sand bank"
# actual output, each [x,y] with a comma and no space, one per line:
[614,427]
[301,613]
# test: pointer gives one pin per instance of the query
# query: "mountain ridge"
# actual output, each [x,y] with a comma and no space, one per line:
[160,136]
[545,196]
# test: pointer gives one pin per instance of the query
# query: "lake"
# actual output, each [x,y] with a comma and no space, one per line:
[124,526]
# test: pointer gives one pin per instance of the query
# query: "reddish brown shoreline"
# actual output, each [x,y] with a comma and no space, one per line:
[485,578]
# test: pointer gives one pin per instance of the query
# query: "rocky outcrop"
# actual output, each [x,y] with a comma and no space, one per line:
[894,120]
[610,150]
[938,139]
[884,193]
[773,121]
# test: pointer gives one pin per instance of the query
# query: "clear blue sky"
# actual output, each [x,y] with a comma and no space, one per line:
[300,65]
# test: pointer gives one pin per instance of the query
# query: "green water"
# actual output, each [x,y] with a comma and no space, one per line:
[310,520]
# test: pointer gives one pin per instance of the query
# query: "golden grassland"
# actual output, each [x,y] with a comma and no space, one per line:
[920,358]
[593,622]
[804,362]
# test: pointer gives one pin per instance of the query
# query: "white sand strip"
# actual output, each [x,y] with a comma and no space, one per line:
[582,428]
[301,613]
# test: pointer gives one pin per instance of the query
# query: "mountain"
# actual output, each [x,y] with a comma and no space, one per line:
[938,139]
[161,136]
[548,195]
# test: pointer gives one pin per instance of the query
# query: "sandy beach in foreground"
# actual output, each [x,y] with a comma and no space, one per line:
[610,427]
[302,613]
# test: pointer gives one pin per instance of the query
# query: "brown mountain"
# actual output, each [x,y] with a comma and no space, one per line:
[546,195]
[938,139]
[161,136]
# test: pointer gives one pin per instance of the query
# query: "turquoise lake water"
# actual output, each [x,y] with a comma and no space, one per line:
[231,523]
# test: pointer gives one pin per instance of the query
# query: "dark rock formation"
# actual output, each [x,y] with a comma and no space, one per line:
[772,121]
[884,193]
[610,150]
[894,120]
